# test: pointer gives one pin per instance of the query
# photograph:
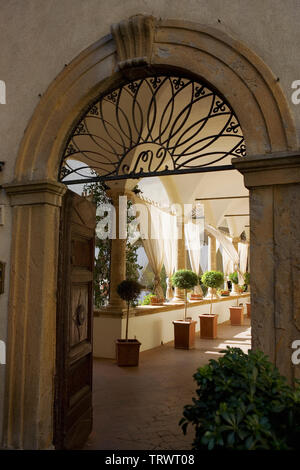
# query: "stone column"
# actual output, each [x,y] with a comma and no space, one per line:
[181,258]
[28,421]
[118,251]
[274,185]
[212,262]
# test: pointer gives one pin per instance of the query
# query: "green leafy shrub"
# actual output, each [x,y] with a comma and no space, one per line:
[103,246]
[147,299]
[247,278]
[203,287]
[234,277]
[243,403]
[185,279]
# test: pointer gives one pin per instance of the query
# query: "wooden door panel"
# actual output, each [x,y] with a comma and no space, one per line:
[80,301]
[74,358]
[81,253]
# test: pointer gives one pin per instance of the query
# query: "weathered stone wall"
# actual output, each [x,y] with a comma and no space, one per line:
[274,186]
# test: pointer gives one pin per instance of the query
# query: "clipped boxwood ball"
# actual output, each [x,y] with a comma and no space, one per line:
[213,279]
[129,290]
[184,279]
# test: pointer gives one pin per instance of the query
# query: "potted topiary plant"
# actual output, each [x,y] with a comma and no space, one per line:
[234,278]
[184,330]
[236,312]
[208,322]
[127,350]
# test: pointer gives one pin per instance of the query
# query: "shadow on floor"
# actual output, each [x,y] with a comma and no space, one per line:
[139,408]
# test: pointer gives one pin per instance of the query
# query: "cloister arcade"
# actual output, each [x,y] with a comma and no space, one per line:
[195,118]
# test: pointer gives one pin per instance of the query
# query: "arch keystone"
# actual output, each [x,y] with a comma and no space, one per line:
[134,40]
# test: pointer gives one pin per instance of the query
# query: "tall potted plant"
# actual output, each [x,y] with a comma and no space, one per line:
[208,322]
[236,312]
[127,350]
[184,330]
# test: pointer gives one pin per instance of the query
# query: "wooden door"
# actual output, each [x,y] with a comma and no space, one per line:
[74,355]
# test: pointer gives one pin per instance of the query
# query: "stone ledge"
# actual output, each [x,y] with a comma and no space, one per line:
[151,309]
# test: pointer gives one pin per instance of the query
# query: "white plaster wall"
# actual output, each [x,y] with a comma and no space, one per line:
[38,37]
[106,331]
[151,330]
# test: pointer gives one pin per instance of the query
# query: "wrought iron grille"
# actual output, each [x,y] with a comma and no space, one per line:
[153,126]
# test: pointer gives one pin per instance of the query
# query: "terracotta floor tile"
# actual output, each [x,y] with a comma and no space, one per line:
[139,408]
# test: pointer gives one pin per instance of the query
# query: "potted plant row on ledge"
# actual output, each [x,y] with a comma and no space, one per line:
[184,330]
[209,321]
[127,350]
[155,300]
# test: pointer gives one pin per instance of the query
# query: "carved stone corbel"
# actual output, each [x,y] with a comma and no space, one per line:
[134,40]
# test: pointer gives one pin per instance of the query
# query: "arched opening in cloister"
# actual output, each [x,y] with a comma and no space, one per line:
[219,67]
[164,141]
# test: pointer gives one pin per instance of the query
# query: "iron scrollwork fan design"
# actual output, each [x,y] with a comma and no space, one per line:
[153,126]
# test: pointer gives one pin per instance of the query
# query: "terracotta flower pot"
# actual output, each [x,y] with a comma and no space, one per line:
[184,334]
[248,309]
[236,316]
[225,293]
[196,297]
[208,326]
[156,301]
[127,352]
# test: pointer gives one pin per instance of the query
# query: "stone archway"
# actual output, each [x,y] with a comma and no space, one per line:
[260,105]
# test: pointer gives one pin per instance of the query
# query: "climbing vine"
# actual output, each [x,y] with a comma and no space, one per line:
[97,191]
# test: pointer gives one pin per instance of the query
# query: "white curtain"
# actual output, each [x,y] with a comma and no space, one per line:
[227,263]
[204,258]
[243,256]
[169,236]
[153,246]
[158,234]
[193,233]
[226,244]
[232,260]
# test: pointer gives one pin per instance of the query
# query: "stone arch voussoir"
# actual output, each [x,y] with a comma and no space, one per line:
[227,64]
